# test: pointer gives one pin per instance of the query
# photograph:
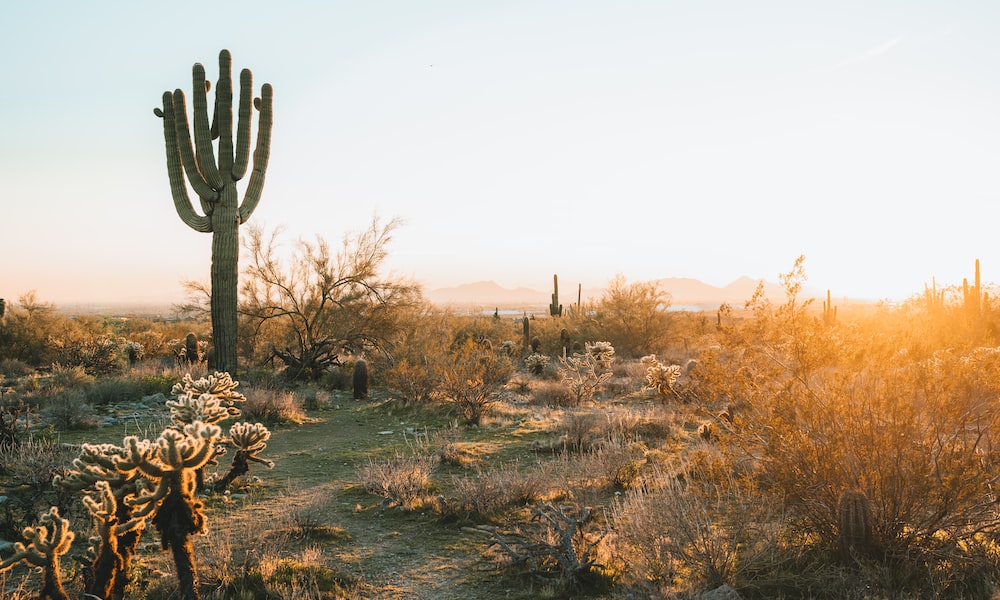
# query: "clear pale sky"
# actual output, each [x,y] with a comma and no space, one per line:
[518,139]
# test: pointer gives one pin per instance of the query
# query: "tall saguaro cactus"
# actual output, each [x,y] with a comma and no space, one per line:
[215,181]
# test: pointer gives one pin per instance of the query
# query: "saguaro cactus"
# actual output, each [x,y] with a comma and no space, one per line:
[555,309]
[215,182]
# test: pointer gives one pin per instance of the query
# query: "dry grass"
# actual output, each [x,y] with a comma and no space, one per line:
[272,406]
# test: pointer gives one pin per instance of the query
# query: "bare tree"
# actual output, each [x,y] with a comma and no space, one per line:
[311,311]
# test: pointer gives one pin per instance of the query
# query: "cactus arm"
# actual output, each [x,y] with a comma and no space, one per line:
[260,155]
[205,154]
[199,449]
[138,458]
[205,192]
[144,505]
[243,128]
[223,119]
[175,170]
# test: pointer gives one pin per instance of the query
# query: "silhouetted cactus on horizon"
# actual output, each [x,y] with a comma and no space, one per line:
[555,309]
[215,183]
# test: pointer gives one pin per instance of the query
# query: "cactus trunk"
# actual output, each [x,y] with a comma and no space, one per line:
[225,275]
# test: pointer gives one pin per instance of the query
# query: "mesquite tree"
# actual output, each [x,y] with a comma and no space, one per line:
[215,181]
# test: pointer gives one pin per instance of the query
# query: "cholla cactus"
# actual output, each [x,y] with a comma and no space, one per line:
[111,551]
[46,543]
[660,377]
[133,352]
[171,463]
[249,440]
[207,408]
[146,480]
[603,353]
[220,385]
[118,529]
[583,375]
[536,363]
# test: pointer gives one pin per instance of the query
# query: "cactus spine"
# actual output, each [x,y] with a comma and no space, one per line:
[854,523]
[555,309]
[215,183]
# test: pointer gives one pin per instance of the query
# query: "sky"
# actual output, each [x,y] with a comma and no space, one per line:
[520,139]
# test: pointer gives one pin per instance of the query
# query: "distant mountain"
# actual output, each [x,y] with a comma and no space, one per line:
[694,292]
[487,293]
[683,291]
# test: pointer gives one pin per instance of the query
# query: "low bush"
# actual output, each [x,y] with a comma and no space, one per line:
[403,481]
[273,406]
[70,411]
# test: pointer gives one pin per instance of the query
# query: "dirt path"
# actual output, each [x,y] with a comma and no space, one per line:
[398,554]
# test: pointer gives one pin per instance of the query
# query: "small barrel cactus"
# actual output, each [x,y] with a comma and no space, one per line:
[191,350]
[854,523]
[359,379]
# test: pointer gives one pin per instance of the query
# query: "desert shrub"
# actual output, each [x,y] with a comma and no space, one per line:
[615,466]
[70,411]
[699,533]
[268,405]
[633,317]
[473,379]
[560,544]
[12,368]
[487,492]
[580,429]
[404,481]
[314,398]
[28,471]
[336,378]
[116,389]
[584,374]
[308,576]
[821,407]
[26,331]
[87,344]
[70,377]
[416,381]
[552,393]
[16,420]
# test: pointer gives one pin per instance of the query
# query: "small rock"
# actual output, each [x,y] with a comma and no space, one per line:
[154,400]
[386,432]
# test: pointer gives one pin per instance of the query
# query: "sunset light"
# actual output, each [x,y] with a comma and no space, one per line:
[520,139]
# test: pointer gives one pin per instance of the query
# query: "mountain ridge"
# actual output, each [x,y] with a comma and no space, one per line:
[684,291]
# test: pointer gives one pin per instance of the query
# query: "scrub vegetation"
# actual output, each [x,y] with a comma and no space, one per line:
[613,449]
